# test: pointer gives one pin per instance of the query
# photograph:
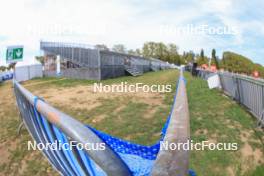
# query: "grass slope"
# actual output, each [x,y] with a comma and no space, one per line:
[215,118]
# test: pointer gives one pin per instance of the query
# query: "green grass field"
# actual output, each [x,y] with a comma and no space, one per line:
[139,118]
[214,117]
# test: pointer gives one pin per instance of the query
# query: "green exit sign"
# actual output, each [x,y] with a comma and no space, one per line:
[14,54]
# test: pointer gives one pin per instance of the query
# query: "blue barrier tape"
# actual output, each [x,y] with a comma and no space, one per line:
[58,152]
[66,152]
[192,173]
[45,135]
[40,136]
[87,162]
[48,132]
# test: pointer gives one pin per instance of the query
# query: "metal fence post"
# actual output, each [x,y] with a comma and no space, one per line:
[261,122]
[241,88]
[238,91]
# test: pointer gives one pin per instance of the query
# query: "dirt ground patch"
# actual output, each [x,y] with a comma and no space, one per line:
[248,152]
[4,153]
[14,157]
[230,171]
[6,98]
[84,97]
[201,131]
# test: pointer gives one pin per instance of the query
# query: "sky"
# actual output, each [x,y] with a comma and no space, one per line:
[226,25]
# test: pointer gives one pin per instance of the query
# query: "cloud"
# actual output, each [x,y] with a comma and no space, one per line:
[131,23]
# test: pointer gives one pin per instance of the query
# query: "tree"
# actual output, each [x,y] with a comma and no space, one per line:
[165,52]
[3,68]
[161,51]
[172,54]
[40,59]
[138,52]
[259,68]
[214,59]
[202,53]
[120,48]
[176,59]
[187,57]
[172,48]
[202,59]
[102,47]
[132,52]
[148,50]
[213,53]
[155,50]
[11,66]
[237,63]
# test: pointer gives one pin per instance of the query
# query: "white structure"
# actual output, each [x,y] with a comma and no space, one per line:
[58,65]
[27,72]
[214,82]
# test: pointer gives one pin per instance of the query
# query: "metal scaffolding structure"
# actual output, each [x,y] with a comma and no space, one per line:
[98,64]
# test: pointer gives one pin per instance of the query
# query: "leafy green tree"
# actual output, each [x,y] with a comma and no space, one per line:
[172,48]
[237,63]
[120,48]
[202,53]
[3,68]
[138,52]
[132,52]
[188,57]
[172,54]
[40,59]
[102,47]
[11,66]
[162,51]
[148,49]
[202,59]
[214,59]
[155,50]
[259,68]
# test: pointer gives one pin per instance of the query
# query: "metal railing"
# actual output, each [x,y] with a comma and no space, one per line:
[65,44]
[47,125]
[246,90]
[81,54]
[171,162]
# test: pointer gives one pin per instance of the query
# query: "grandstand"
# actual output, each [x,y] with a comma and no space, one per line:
[87,62]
